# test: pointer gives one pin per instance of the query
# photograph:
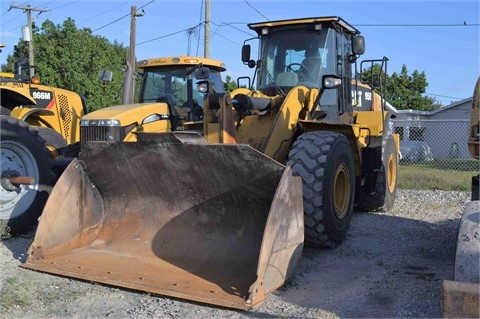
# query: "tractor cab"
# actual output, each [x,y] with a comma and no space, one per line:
[300,52]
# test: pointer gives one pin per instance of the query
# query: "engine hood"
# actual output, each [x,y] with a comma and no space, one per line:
[128,113]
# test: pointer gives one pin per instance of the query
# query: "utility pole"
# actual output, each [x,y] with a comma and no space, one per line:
[28,9]
[206,53]
[129,81]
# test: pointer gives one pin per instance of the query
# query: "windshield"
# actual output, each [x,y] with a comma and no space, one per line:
[296,56]
[170,84]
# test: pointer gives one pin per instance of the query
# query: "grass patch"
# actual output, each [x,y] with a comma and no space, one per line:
[437,175]
[24,291]
[454,164]
[17,292]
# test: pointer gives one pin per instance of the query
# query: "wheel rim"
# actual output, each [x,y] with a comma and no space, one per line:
[391,173]
[18,159]
[52,152]
[341,194]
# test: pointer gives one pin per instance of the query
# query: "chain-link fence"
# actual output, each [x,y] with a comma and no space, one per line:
[438,144]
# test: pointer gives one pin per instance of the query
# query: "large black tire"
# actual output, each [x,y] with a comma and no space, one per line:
[324,161]
[54,141]
[4,111]
[385,193]
[23,153]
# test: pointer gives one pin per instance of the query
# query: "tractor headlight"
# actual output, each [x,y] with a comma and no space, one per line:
[202,87]
[331,81]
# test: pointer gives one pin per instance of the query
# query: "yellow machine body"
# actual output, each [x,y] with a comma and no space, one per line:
[168,101]
[44,106]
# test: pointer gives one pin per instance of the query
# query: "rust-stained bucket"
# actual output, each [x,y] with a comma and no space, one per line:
[218,224]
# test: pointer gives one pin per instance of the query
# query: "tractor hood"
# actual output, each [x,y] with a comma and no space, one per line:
[129,113]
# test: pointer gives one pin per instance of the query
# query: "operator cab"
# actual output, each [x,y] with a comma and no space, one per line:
[172,85]
[299,52]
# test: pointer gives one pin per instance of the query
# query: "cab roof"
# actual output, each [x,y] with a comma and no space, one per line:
[331,19]
[182,61]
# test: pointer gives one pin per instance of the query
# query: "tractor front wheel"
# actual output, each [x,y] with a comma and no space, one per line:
[324,161]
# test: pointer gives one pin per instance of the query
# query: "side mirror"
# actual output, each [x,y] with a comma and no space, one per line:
[202,73]
[246,53]
[358,45]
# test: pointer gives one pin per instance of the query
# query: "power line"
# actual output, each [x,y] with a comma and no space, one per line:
[198,42]
[45,15]
[110,23]
[104,12]
[419,25]
[192,30]
[445,96]
[255,9]
[236,28]
[12,19]
[225,38]
[63,5]
[123,17]
[165,36]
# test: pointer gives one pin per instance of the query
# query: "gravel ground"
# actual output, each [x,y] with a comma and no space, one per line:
[390,266]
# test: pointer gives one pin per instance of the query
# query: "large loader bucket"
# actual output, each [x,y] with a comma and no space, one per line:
[218,224]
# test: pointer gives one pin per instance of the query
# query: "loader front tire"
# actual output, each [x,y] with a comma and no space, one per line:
[324,161]
[23,153]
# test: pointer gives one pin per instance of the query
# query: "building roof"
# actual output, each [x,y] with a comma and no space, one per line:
[429,113]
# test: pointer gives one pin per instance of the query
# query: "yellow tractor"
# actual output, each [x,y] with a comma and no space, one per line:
[39,123]
[168,101]
[220,215]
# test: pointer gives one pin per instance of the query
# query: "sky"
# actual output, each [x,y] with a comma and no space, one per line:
[440,38]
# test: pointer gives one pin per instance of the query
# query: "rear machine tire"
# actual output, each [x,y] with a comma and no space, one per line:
[386,186]
[23,153]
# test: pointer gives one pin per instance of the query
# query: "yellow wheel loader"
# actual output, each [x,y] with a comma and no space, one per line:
[39,125]
[219,215]
[170,100]
[461,296]
[310,112]
[55,113]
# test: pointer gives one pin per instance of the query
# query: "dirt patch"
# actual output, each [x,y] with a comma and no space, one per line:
[391,265]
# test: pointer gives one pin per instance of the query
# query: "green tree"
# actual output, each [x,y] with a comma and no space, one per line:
[72,59]
[403,91]
[229,85]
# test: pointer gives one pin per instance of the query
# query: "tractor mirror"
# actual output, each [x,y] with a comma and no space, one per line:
[202,73]
[246,53]
[358,45]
